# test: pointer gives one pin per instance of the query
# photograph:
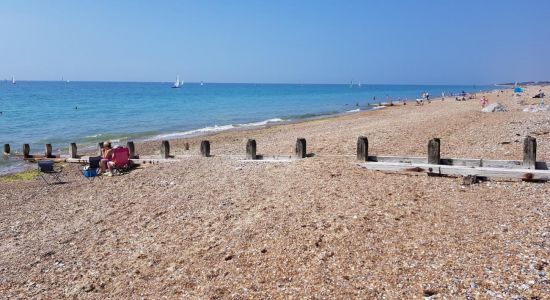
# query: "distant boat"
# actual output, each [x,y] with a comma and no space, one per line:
[202,83]
[178,83]
[13,80]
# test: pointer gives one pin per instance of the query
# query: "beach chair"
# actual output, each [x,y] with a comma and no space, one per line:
[89,171]
[120,162]
[46,170]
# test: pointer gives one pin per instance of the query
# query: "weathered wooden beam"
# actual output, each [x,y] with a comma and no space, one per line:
[48,150]
[165,149]
[496,173]
[6,149]
[205,148]
[73,150]
[26,150]
[529,152]
[100,148]
[301,150]
[467,162]
[362,148]
[131,149]
[186,146]
[434,151]
[251,149]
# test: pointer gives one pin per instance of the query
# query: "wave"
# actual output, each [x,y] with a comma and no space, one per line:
[353,110]
[215,128]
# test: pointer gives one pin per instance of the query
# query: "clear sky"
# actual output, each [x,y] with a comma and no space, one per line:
[295,41]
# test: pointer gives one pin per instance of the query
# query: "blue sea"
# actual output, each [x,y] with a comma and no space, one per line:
[40,112]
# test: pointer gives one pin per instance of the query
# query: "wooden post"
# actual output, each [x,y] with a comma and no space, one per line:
[251,149]
[186,146]
[205,148]
[131,148]
[48,151]
[6,149]
[165,149]
[434,154]
[100,148]
[529,152]
[362,148]
[26,150]
[73,151]
[301,150]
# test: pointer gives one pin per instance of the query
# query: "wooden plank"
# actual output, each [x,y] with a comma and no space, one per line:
[100,149]
[301,150]
[529,152]
[205,148]
[499,173]
[165,149]
[362,148]
[48,150]
[467,162]
[251,149]
[73,150]
[131,149]
[434,151]
[397,159]
[26,150]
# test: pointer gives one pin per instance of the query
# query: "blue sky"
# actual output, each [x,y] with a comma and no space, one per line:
[417,42]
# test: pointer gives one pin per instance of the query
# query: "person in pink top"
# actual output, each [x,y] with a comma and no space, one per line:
[106,156]
[484,101]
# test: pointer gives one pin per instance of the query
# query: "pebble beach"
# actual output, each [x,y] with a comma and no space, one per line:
[314,228]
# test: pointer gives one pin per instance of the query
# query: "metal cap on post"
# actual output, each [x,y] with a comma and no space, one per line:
[73,151]
[434,154]
[251,149]
[301,150]
[530,152]
[205,148]
[165,149]
[362,148]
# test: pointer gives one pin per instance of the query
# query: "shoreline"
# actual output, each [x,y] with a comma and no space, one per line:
[212,130]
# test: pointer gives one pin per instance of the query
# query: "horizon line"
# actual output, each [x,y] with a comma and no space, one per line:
[270,83]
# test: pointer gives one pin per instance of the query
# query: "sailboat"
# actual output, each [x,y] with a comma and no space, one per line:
[13,80]
[178,83]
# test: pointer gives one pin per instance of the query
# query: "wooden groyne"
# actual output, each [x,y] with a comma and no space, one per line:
[528,169]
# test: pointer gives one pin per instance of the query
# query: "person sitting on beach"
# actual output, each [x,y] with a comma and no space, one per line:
[106,156]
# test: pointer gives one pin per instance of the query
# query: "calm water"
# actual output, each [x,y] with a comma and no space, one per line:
[88,112]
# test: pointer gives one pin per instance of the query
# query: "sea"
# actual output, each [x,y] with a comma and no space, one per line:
[60,112]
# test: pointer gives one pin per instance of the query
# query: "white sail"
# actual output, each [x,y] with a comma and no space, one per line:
[178,83]
[13,79]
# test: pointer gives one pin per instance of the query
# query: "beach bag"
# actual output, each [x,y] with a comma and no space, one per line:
[90,172]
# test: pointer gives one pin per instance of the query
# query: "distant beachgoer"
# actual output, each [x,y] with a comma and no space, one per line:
[442,96]
[428,97]
[106,156]
[484,101]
